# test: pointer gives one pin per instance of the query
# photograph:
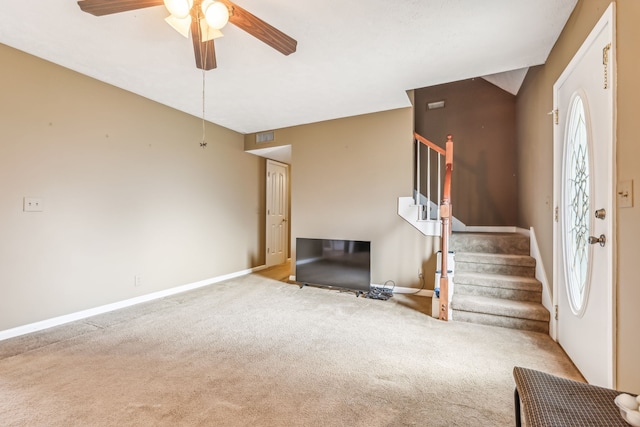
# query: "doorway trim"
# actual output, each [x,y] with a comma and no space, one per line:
[283,226]
[607,19]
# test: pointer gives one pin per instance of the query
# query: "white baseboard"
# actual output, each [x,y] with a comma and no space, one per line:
[72,317]
[541,275]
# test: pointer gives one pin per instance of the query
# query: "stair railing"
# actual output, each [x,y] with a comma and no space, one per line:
[444,213]
[440,155]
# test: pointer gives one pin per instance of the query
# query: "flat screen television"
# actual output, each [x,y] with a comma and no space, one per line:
[335,263]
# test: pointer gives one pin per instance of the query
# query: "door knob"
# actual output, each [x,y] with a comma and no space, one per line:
[601,214]
[602,240]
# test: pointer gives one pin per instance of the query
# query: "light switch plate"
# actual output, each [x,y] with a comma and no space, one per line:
[625,194]
[32,204]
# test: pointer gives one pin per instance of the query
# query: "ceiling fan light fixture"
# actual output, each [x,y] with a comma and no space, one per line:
[207,33]
[183,26]
[179,8]
[215,13]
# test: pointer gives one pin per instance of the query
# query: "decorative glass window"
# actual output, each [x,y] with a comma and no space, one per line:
[576,206]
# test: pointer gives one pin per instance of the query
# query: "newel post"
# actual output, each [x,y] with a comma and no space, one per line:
[445,215]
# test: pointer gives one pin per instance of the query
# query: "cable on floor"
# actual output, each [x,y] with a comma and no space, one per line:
[381,293]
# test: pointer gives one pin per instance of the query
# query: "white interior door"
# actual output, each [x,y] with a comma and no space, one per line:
[584,245]
[277,193]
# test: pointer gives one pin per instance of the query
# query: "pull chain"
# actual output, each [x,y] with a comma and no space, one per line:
[203,144]
[203,61]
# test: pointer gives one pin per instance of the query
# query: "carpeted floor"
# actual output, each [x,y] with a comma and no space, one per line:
[255,351]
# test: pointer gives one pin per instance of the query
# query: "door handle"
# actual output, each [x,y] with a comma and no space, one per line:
[602,240]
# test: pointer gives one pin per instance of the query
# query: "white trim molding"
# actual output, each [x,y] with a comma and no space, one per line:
[72,317]
[541,275]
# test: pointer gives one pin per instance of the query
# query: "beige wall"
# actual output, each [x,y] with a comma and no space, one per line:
[127,191]
[535,135]
[347,175]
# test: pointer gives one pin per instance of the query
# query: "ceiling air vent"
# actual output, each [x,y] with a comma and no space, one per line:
[264,137]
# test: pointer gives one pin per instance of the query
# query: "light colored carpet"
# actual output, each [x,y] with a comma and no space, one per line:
[254,351]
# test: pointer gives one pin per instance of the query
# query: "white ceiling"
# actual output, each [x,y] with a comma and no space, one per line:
[353,57]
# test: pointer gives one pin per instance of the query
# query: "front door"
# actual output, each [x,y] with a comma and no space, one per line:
[584,192]
[277,193]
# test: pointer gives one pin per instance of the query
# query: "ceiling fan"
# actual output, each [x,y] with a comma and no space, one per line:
[203,19]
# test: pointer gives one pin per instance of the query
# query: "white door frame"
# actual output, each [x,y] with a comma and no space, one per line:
[283,217]
[608,18]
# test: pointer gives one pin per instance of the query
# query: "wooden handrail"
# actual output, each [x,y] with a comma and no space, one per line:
[429,144]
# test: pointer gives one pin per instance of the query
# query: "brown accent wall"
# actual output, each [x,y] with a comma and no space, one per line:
[535,160]
[481,117]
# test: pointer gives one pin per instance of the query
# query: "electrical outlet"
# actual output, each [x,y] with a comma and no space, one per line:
[32,204]
[137,280]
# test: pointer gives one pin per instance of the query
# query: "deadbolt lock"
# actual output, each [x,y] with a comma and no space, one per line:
[601,214]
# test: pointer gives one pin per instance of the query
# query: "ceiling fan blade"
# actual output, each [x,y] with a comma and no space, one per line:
[260,29]
[205,52]
[107,7]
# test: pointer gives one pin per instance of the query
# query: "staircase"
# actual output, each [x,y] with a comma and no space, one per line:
[495,283]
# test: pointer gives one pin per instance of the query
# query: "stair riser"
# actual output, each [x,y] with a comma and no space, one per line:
[513,270]
[525,310]
[507,259]
[502,321]
[498,244]
[491,282]
[511,294]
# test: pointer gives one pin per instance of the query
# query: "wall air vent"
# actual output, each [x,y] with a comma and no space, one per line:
[264,137]
[435,105]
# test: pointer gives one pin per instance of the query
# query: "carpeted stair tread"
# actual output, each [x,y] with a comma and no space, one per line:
[500,307]
[498,281]
[489,258]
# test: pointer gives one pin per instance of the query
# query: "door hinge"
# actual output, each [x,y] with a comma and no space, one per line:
[555,216]
[554,113]
[605,63]
[556,314]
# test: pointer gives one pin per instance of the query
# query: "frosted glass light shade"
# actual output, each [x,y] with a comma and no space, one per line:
[207,33]
[183,26]
[215,13]
[179,8]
